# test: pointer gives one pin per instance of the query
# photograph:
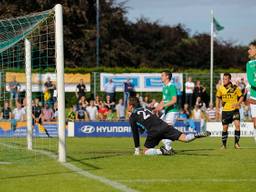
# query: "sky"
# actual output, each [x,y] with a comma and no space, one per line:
[237,16]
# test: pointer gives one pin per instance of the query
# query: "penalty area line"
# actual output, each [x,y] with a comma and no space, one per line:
[186,180]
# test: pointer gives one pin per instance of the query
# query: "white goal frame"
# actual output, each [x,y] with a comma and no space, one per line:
[59,58]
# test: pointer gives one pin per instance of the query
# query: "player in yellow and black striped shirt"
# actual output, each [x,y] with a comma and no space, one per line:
[231,97]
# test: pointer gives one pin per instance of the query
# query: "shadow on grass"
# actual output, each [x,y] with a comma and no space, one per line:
[188,152]
[96,155]
[92,155]
[35,175]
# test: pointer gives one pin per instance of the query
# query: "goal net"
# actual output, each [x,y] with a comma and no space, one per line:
[32,92]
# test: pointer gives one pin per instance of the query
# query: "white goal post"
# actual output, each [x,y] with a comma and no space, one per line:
[25,34]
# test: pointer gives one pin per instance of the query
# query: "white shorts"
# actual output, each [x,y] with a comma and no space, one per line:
[253,110]
[170,118]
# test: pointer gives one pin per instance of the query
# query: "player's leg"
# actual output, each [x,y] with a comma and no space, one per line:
[237,134]
[170,119]
[253,113]
[227,118]
[174,134]
[224,137]
[153,140]
[149,146]
[236,119]
[192,136]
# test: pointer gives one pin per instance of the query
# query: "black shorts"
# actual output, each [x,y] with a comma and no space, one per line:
[229,116]
[155,136]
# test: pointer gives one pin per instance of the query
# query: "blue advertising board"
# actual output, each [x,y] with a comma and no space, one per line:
[102,129]
[114,129]
[119,80]
[152,81]
[144,82]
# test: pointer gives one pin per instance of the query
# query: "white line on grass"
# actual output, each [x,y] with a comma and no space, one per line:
[186,180]
[82,172]
[5,163]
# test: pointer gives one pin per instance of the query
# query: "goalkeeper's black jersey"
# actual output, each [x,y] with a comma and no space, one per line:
[143,119]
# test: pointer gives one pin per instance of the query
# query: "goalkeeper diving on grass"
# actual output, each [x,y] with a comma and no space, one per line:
[142,119]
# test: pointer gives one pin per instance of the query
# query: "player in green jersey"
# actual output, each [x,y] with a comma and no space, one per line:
[168,103]
[251,77]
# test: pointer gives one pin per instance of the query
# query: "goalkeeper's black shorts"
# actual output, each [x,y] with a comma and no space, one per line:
[156,135]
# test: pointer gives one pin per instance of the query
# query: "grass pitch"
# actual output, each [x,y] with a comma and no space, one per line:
[197,166]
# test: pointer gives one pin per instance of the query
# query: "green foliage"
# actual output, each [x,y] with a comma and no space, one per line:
[70,99]
[131,70]
[142,44]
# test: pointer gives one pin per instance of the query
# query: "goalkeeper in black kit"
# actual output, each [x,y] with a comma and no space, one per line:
[142,119]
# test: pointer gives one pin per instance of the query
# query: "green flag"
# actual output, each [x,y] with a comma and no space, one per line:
[216,25]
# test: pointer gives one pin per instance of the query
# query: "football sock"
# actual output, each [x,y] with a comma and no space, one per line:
[167,144]
[153,151]
[237,136]
[224,138]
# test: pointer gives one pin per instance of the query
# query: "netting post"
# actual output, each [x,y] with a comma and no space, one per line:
[28,93]
[60,81]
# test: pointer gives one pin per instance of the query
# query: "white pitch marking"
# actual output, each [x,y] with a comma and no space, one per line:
[82,172]
[186,180]
[5,163]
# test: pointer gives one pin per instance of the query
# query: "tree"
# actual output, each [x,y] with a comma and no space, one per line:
[140,44]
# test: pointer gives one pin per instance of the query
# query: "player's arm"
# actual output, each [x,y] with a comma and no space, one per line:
[218,101]
[159,107]
[136,136]
[241,99]
[218,108]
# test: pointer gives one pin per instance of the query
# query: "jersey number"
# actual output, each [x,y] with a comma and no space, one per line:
[144,113]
